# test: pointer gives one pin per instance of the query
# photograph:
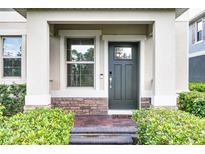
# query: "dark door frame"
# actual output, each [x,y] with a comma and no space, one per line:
[138,81]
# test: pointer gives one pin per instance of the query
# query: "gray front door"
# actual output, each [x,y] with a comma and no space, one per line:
[123,75]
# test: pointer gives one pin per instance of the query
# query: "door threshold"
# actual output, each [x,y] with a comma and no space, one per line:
[120,112]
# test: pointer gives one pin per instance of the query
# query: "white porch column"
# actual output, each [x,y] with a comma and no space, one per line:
[37,62]
[164,62]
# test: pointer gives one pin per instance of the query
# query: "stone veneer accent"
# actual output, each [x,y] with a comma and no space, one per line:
[89,106]
[145,102]
[82,106]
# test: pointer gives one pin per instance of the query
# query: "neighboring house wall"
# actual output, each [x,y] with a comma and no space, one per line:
[195,46]
[196,51]
[196,68]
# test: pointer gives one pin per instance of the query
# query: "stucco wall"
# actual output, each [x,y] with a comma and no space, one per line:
[148,67]
[10,15]
[164,87]
[108,29]
[8,28]
[181,30]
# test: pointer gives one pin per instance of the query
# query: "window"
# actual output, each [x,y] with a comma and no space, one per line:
[80,62]
[12,52]
[123,53]
[199,31]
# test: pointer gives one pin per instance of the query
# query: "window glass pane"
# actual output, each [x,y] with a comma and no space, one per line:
[123,53]
[12,67]
[80,75]
[80,50]
[12,46]
[199,36]
[199,26]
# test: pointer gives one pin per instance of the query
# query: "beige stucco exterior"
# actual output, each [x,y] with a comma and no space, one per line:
[163,51]
[13,24]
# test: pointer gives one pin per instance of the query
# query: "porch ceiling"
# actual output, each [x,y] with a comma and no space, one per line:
[178,11]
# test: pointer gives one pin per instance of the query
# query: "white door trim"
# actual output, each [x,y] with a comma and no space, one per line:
[125,38]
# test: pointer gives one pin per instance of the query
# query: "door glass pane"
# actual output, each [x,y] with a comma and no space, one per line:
[12,67]
[80,49]
[12,46]
[80,75]
[123,53]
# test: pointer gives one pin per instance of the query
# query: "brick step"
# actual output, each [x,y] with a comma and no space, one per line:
[97,139]
[104,130]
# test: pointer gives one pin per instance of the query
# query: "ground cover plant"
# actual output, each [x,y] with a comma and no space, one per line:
[169,126]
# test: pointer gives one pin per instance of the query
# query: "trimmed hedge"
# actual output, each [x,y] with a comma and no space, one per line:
[39,126]
[169,127]
[13,98]
[197,86]
[192,102]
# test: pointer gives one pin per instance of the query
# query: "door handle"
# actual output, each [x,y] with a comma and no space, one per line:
[110,79]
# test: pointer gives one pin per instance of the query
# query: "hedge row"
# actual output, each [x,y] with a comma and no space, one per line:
[13,98]
[192,102]
[40,126]
[197,86]
[169,126]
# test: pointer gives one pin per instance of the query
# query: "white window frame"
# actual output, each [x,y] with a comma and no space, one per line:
[13,79]
[196,30]
[64,34]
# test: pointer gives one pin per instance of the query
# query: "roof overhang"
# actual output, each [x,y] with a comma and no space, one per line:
[197,17]
[178,11]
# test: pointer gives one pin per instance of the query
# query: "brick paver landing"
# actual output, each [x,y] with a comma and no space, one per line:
[103,120]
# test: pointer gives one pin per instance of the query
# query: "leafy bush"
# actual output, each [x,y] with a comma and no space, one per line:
[169,126]
[39,126]
[12,97]
[197,86]
[192,102]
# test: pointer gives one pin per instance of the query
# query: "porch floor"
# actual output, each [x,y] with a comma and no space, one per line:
[103,120]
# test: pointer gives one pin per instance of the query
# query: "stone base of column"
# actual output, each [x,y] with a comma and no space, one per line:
[37,100]
[165,100]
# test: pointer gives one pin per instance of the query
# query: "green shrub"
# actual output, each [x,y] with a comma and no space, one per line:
[197,86]
[12,97]
[192,102]
[169,126]
[39,126]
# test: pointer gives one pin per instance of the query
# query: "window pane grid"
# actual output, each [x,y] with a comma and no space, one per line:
[12,67]
[12,52]
[199,31]
[80,75]
[80,62]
